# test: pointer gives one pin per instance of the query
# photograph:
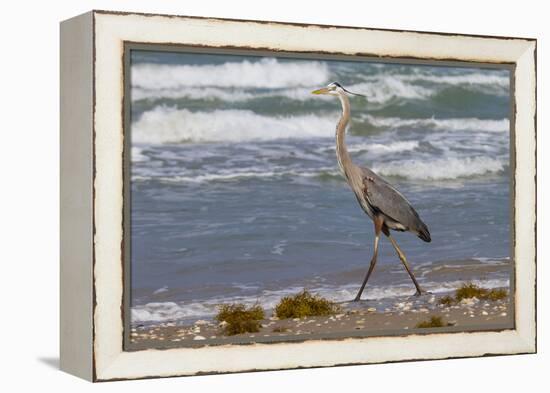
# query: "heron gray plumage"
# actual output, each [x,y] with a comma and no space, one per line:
[383,203]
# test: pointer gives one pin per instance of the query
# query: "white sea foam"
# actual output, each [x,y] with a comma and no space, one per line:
[493,261]
[172,311]
[383,89]
[347,292]
[279,248]
[160,290]
[500,79]
[441,169]
[169,125]
[475,78]
[231,94]
[195,93]
[379,148]
[137,155]
[240,81]
[379,92]
[376,148]
[453,124]
[453,285]
[165,311]
[236,174]
[265,73]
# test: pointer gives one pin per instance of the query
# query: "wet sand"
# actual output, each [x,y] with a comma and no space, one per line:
[364,318]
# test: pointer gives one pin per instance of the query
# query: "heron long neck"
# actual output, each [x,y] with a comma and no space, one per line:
[344,159]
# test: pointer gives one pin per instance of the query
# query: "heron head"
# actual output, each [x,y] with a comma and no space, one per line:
[334,89]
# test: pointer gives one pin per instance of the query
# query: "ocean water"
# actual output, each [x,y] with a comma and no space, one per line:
[236,194]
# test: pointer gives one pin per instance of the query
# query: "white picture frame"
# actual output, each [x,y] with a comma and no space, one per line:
[92,193]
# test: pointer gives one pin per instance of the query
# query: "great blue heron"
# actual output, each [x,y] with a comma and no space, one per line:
[386,206]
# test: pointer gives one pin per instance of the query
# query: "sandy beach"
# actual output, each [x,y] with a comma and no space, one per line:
[355,319]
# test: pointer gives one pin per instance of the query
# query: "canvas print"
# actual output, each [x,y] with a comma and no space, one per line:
[286,198]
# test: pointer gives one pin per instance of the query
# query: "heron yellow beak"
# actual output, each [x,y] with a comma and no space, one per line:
[324,90]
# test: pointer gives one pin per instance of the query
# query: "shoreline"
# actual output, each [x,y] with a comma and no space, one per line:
[184,303]
[355,319]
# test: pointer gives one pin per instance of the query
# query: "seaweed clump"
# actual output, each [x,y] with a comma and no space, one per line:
[469,290]
[304,304]
[433,322]
[237,318]
[447,300]
[497,294]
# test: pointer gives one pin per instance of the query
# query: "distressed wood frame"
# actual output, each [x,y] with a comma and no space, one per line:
[92,202]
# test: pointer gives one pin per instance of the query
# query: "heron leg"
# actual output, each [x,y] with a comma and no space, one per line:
[403,259]
[377,229]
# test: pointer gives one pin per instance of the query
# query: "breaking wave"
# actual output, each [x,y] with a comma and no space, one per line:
[383,89]
[379,148]
[169,125]
[430,169]
[270,77]
[236,175]
[457,124]
[441,169]
[500,78]
[265,73]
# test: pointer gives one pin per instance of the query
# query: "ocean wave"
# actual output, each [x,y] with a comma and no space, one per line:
[441,169]
[169,311]
[238,174]
[380,148]
[137,155]
[172,311]
[498,78]
[378,92]
[194,93]
[386,88]
[165,124]
[265,73]
[445,168]
[270,77]
[169,125]
[453,124]
[383,89]
[233,95]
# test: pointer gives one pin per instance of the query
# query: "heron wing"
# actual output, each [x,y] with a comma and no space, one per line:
[384,198]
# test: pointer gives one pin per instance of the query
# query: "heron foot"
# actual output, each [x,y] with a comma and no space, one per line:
[421,292]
